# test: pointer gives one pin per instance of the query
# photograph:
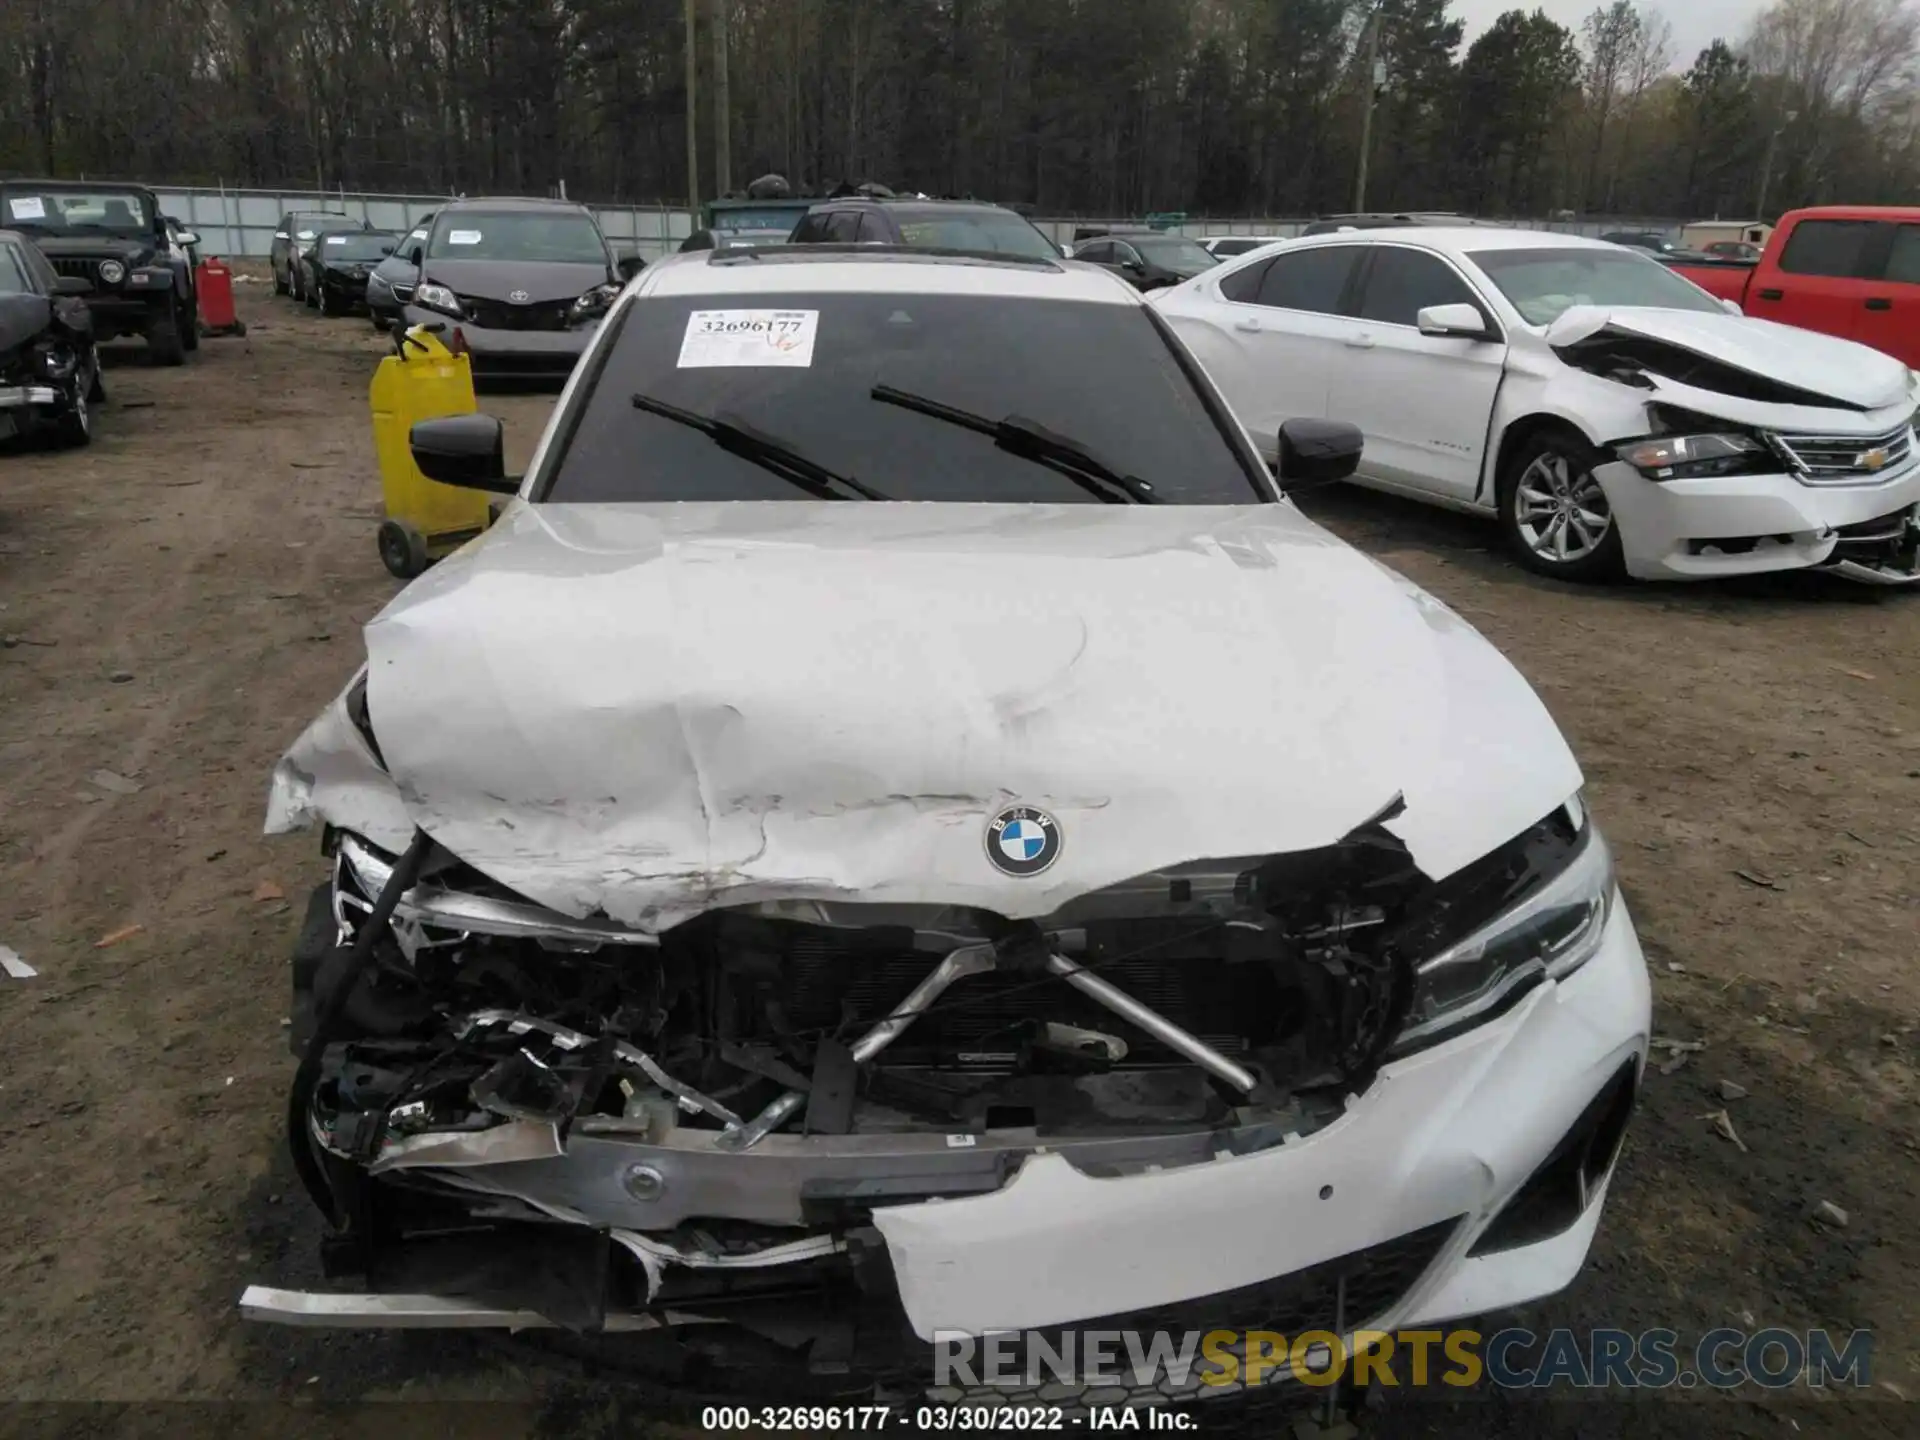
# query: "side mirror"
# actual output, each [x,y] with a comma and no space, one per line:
[464,450]
[71,285]
[415,256]
[1133,267]
[1315,452]
[630,266]
[386,249]
[188,237]
[1732,307]
[1458,322]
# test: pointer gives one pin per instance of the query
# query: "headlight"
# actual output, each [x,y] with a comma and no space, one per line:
[1548,933]
[438,297]
[112,271]
[56,364]
[595,300]
[1672,457]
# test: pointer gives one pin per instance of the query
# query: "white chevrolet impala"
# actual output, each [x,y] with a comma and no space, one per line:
[1612,415]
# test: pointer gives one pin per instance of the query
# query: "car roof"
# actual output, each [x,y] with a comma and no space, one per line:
[1458,239]
[878,270]
[498,203]
[28,182]
[884,202]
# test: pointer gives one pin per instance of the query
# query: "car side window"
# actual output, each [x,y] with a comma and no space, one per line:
[873,230]
[1100,252]
[1310,280]
[811,230]
[843,226]
[1401,283]
[1243,285]
[39,268]
[1124,254]
[1828,247]
[1903,260]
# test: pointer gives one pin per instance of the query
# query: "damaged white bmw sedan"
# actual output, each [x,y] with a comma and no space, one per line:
[1612,416]
[882,842]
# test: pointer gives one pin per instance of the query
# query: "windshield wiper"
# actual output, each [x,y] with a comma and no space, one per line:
[763,450]
[1020,436]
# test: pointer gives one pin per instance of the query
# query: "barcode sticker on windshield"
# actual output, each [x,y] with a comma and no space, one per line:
[721,339]
[336,239]
[27,207]
[463,237]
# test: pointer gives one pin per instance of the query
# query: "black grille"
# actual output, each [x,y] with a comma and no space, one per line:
[846,985]
[498,315]
[78,269]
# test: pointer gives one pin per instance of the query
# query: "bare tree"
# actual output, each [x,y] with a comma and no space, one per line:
[1613,37]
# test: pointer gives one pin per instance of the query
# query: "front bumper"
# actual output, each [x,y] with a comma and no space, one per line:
[1383,1207]
[1720,526]
[512,354]
[20,397]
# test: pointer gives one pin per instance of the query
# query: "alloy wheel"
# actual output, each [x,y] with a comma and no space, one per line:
[1562,514]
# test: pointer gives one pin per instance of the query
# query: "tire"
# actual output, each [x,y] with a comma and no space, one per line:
[97,389]
[294,286]
[328,306]
[281,284]
[76,426]
[164,340]
[380,322]
[1553,513]
[403,549]
[190,325]
[309,293]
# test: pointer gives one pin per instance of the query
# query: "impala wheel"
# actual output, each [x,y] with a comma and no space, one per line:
[1555,514]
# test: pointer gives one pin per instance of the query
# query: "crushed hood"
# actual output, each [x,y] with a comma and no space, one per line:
[650,711]
[1804,360]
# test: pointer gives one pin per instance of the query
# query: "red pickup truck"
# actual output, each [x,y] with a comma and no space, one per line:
[1846,270]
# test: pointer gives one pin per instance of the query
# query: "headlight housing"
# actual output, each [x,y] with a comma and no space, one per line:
[112,271]
[1550,931]
[430,296]
[595,301]
[1675,457]
[56,362]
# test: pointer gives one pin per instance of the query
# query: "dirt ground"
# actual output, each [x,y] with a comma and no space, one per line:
[178,600]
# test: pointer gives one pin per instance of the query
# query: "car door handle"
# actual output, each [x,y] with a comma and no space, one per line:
[1359,342]
[1772,295]
[1250,325]
[1879,302]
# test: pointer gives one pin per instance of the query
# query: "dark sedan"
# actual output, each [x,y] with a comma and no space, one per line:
[1147,260]
[520,285]
[49,370]
[338,266]
[390,286]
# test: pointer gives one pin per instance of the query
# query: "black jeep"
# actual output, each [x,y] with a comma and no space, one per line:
[115,238]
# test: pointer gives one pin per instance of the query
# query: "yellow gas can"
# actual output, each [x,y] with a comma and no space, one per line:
[425,519]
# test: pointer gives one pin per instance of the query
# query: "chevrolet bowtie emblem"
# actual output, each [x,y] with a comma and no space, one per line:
[1870,459]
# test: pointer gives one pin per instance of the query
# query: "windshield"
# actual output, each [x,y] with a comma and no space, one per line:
[1174,252]
[1542,284]
[562,237]
[306,227]
[982,230]
[358,245]
[1100,375]
[118,212]
[13,272]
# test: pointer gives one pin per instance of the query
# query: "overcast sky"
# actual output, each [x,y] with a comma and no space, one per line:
[1696,23]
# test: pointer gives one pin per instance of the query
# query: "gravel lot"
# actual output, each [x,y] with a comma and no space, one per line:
[178,600]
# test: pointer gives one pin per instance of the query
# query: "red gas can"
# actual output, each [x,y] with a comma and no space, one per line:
[214,283]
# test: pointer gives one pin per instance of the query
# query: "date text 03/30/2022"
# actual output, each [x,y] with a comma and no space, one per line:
[999,1418]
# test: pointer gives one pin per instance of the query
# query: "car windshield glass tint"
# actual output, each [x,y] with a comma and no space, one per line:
[13,272]
[359,246]
[803,367]
[977,230]
[774,217]
[565,237]
[1174,252]
[1542,284]
[51,209]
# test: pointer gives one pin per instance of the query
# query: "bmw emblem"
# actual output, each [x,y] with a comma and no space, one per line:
[1023,841]
[518,297]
